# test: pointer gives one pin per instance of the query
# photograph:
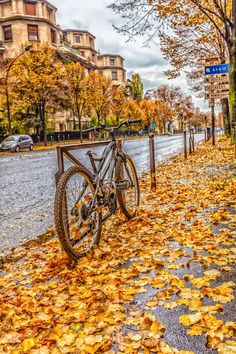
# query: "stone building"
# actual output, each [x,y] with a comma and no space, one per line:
[112,66]
[24,22]
[84,42]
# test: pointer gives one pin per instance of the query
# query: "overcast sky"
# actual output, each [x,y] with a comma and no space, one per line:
[97,19]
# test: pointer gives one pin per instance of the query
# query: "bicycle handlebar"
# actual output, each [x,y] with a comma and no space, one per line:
[103,128]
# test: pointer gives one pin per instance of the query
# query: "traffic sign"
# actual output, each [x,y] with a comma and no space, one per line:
[154,125]
[221,87]
[217,69]
[217,95]
[217,79]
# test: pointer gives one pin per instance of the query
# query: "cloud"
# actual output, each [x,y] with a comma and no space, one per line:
[95,17]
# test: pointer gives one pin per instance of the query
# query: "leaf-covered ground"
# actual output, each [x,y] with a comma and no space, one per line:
[160,283]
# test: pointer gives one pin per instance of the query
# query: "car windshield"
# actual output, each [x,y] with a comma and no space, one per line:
[12,138]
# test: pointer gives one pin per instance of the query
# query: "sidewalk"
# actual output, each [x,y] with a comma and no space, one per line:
[160,283]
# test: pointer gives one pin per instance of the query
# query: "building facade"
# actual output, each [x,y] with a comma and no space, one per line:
[24,22]
[112,66]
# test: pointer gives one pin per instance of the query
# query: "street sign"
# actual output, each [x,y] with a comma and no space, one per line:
[217,69]
[217,95]
[217,79]
[154,125]
[221,87]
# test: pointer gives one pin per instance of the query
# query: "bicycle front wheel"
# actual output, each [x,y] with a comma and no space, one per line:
[128,194]
[77,221]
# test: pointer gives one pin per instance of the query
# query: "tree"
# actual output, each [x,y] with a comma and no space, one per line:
[149,111]
[165,115]
[119,102]
[176,100]
[137,87]
[100,94]
[39,83]
[77,91]
[132,110]
[201,17]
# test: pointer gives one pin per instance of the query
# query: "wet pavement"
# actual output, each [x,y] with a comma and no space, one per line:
[28,185]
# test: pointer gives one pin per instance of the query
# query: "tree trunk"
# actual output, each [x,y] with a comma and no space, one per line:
[226,116]
[232,77]
[44,125]
[80,125]
[99,118]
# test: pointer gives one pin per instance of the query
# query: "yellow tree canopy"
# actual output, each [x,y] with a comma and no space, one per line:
[100,94]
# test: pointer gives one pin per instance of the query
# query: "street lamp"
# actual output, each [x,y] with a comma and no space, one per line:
[6,87]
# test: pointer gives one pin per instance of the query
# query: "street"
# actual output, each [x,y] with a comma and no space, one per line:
[28,185]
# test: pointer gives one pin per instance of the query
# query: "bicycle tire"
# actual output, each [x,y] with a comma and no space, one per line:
[61,225]
[120,193]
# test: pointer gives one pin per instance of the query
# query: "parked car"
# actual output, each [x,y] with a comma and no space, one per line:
[16,143]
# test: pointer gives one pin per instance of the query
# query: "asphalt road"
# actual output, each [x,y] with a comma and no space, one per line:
[28,185]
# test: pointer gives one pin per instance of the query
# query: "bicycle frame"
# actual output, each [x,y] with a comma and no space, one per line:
[105,168]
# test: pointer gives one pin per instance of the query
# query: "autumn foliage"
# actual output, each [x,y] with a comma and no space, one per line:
[167,271]
[40,85]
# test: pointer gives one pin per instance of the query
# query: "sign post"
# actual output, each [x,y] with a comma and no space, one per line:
[217,87]
[212,104]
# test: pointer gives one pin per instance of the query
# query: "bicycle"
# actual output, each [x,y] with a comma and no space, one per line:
[82,196]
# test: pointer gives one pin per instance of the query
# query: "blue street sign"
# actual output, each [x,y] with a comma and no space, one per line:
[217,69]
[154,125]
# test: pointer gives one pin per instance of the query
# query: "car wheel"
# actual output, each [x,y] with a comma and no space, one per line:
[31,147]
[17,148]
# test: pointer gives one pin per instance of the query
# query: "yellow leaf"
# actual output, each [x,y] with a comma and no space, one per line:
[195,331]
[91,340]
[28,344]
[135,337]
[227,348]
[157,327]
[188,320]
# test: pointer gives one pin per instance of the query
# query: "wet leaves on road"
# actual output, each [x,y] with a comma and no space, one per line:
[178,253]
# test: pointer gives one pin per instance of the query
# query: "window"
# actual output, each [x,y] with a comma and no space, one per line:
[114,75]
[77,38]
[112,61]
[33,32]
[53,36]
[49,14]
[7,31]
[91,41]
[82,53]
[30,8]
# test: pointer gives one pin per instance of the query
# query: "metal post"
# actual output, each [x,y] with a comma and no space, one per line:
[213,124]
[60,162]
[152,161]
[185,145]
[190,141]
[208,133]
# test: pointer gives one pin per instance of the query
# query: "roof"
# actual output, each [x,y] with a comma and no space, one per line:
[110,55]
[78,31]
[46,1]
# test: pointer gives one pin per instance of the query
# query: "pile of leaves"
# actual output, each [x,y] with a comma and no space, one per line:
[160,283]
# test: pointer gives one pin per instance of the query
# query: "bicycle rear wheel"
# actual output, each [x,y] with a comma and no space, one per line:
[128,194]
[77,225]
